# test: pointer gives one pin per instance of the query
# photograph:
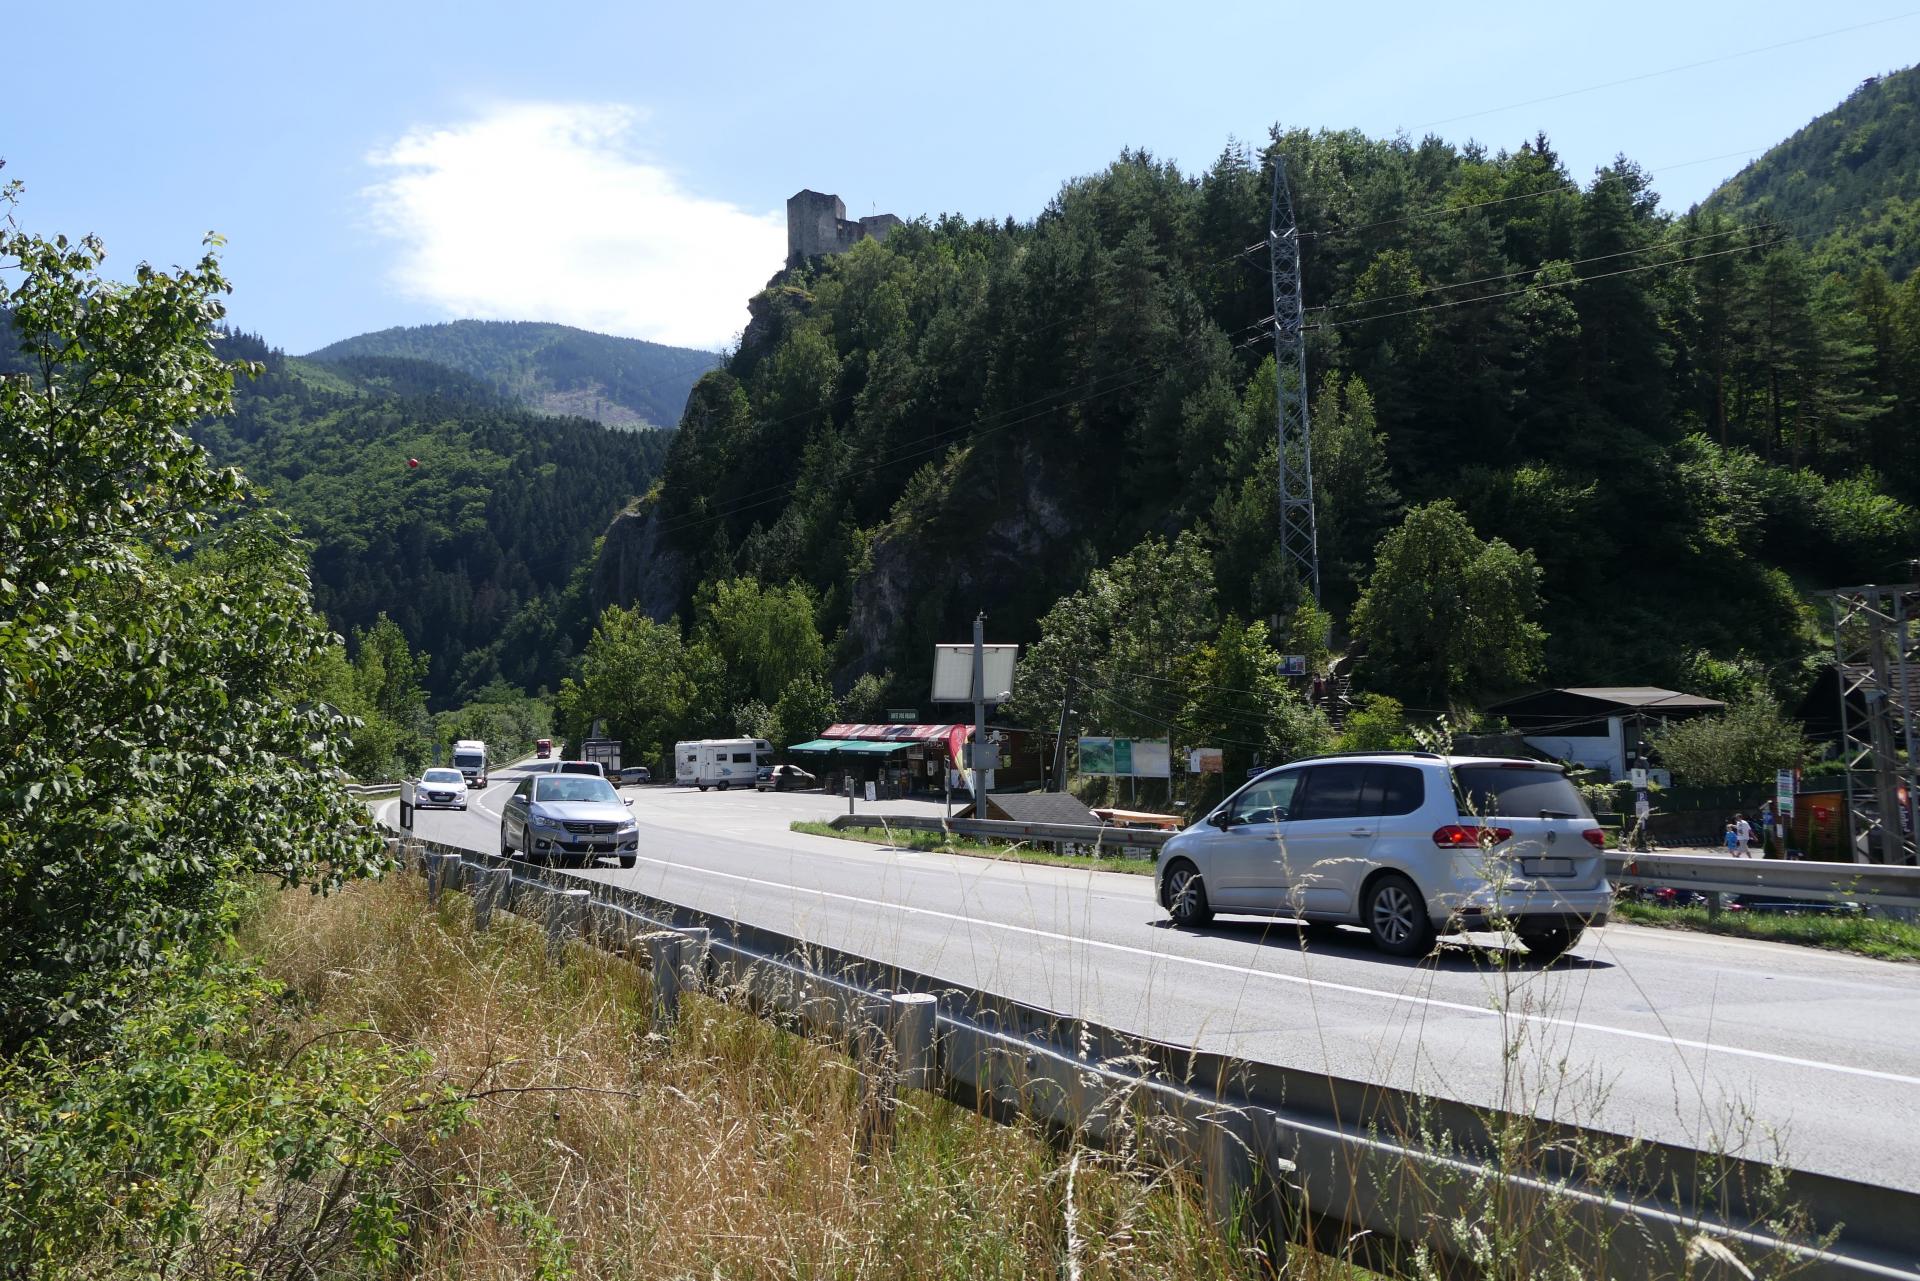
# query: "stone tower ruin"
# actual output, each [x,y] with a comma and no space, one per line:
[818,224]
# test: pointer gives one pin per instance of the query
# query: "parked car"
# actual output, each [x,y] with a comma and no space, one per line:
[1408,844]
[568,818]
[783,778]
[638,774]
[441,787]
[594,768]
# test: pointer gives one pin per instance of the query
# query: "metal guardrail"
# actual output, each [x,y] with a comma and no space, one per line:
[372,789]
[1128,839]
[1286,1154]
[1864,883]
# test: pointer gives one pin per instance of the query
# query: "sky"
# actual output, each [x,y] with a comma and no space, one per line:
[625,166]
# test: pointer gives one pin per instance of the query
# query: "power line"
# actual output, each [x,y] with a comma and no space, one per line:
[1668,71]
[1528,271]
[1557,284]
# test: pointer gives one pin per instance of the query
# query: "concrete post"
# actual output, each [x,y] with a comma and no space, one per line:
[566,909]
[495,883]
[911,1030]
[663,958]
[696,947]
[396,851]
[443,873]
[896,1055]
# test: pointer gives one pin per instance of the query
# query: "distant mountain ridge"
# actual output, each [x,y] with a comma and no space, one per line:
[552,369]
[1847,182]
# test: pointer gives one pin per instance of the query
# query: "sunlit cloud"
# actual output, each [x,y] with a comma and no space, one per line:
[543,211]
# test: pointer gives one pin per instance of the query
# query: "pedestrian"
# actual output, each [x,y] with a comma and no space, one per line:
[1744,830]
[1766,825]
[1733,843]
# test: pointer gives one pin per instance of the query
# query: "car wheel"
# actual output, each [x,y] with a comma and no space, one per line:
[703,787]
[723,787]
[1187,896]
[1396,916]
[1548,945]
[628,860]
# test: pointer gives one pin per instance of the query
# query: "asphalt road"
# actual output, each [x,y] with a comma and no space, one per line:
[1767,1050]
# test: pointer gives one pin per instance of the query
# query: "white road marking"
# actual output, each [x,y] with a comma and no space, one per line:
[1302,981]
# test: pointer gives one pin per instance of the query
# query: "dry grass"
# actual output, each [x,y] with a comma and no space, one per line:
[726,1148]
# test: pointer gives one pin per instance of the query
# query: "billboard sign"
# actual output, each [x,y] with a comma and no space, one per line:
[1126,757]
[1205,760]
[1293,664]
[953,672]
[1783,786]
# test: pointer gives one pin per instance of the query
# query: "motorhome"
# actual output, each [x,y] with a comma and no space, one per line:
[720,762]
[470,758]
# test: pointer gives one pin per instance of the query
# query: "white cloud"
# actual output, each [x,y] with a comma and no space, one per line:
[542,211]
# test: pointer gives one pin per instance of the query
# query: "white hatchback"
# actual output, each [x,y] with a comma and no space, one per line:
[1408,844]
[441,788]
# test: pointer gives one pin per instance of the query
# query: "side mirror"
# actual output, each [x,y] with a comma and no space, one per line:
[1221,819]
[629,802]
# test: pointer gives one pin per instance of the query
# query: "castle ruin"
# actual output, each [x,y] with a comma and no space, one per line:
[818,224]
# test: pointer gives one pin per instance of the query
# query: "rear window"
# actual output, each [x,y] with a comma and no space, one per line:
[1518,791]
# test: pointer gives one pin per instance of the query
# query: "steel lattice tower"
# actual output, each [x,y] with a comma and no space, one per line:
[1876,636]
[1298,541]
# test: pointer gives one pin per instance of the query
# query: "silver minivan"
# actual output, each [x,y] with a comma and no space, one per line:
[1408,844]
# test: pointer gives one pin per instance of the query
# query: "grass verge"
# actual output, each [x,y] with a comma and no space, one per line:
[726,1147]
[1861,935]
[941,843]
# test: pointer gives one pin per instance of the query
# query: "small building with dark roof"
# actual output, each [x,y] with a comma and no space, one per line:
[1598,726]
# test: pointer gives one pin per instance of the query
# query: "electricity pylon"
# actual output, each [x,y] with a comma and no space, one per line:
[1299,543]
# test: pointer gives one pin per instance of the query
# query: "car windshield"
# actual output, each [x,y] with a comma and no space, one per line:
[1518,791]
[441,776]
[467,758]
[574,787]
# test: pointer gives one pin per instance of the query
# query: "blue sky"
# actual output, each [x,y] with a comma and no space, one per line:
[624,166]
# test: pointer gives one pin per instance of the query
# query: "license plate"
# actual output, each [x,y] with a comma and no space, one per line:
[1546,867]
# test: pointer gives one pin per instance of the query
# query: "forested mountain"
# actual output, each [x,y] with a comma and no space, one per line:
[1849,181]
[1680,424]
[473,551]
[555,369]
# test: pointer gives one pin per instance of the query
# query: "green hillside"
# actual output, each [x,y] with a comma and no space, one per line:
[555,369]
[473,551]
[1674,421]
[1848,182]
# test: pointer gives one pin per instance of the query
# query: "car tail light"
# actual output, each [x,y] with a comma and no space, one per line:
[1454,836]
[1596,837]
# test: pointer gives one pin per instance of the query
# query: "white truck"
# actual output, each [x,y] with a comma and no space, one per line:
[720,762]
[470,758]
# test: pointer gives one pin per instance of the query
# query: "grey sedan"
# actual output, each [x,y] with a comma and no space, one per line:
[568,818]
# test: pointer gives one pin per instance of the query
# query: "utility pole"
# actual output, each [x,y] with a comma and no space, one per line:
[1060,743]
[979,714]
[1299,542]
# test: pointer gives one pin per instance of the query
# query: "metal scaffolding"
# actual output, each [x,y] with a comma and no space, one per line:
[1298,541]
[1876,638]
